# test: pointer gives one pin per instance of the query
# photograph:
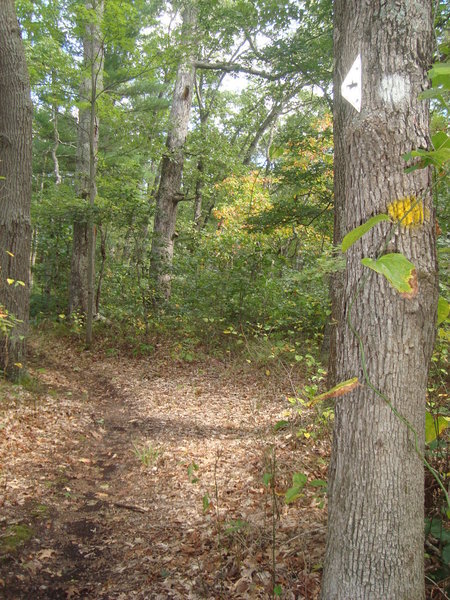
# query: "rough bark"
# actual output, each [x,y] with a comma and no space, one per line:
[205,110]
[375,532]
[15,186]
[169,189]
[103,237]
[87,144]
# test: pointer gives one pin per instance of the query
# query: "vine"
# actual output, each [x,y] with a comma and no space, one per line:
[399,280]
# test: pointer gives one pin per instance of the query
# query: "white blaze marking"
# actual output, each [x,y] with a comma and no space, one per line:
[395,88]
[351,88]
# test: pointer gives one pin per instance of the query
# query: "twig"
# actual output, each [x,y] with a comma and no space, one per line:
[134,507]
[444,595]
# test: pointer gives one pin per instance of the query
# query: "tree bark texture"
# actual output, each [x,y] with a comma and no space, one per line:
[87,136]
[15,185]
[376,504]
[168,194]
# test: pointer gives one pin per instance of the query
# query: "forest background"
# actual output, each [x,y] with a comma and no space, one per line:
[253,231]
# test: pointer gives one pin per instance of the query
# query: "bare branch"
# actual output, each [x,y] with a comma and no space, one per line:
[236,68]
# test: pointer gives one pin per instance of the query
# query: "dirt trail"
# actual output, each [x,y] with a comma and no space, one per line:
[143,478]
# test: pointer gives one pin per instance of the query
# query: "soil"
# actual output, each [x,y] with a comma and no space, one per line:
[151,478]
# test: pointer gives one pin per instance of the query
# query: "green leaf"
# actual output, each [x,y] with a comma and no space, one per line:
[435,93]
[318,483]
[292,494]
[355,234]
[277,590]
[281,425]
[275,152]
[438,158]
[398,270]
[191,470]
[436,528]
[446,554]
[267,478]
[299,479]
[440,75]
[298,482]
[440,140]
[206,503]
[434,426]
[442,310]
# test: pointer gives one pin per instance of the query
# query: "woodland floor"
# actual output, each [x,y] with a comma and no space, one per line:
[82,516]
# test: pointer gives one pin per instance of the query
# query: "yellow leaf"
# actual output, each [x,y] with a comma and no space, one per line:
[18,365]
[10,281]
[10,253]
[338,390]
[267,372]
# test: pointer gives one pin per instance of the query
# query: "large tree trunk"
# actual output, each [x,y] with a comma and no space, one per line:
[80,297]
[15,187]
[168,194]
[376,515]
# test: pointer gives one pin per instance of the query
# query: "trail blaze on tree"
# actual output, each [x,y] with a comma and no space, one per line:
[375,534]
[15,186]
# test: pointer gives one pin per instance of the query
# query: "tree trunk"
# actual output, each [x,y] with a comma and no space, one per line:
[15,187]
[103,237]
[270,119]
[198,200]
[91,85]
[168,194]
[376,515]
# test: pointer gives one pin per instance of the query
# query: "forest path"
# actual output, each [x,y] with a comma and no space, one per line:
[143,478]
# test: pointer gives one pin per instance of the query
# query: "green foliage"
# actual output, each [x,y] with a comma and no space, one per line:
[439,156]
[434,426]
[299,481]
[397,269]
[192,469]
[436,530]
[442,311]
[7,321]
[14,537]
[146,453]
[267,478]
[355,234]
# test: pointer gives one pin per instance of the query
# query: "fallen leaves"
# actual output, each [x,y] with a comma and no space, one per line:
[114,528]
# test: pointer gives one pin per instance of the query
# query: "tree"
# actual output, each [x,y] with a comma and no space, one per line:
[81,296]
[15,187]
[169,190]
[383,337]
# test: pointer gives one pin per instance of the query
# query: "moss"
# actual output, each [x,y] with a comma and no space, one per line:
[40,511]
[31,384]
[15,536]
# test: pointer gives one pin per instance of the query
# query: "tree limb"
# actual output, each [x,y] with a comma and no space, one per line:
[236,68]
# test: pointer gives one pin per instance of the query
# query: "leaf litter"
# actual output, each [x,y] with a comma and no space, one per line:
[143,478]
